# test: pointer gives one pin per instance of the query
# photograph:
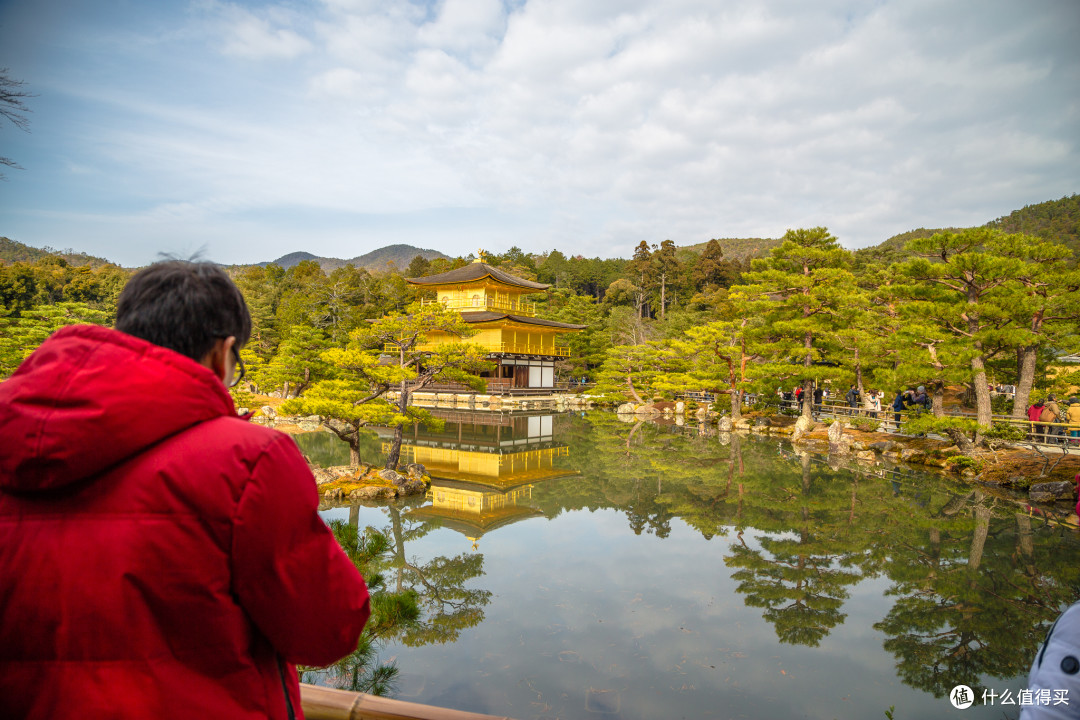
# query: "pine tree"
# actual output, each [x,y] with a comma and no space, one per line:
[297,363]
[357,397]
[710,268]
[631,371]
[798,292]
[714,361]
[1044,303]
[963,289]
[641,272]
[666,268]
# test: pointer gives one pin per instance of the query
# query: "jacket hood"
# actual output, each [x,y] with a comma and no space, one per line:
[91,397]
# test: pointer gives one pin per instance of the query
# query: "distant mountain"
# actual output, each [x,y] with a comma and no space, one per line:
[287,261]
[739,248]
[1054,220]
[1057,220]
[14,251]
[377,260]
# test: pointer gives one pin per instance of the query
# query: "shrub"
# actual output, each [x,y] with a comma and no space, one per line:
[865,424]
[922,424]
[1005,432]
[957,463]
[1001,405]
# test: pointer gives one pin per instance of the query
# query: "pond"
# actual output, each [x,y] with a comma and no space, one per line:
[578,567]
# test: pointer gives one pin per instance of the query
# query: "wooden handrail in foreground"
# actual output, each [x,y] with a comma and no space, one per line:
[321,703]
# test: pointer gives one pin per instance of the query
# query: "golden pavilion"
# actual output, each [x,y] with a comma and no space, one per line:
[523,347]
[484,467]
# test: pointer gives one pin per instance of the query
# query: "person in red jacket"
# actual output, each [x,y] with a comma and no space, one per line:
[160,557]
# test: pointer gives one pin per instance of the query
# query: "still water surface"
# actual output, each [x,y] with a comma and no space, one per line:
[577,567]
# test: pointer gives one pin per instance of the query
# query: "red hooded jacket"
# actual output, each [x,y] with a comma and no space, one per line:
[159,556]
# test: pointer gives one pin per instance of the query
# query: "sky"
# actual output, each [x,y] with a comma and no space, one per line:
[248,130]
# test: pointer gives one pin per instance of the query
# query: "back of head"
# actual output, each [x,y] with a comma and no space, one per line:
[184,306]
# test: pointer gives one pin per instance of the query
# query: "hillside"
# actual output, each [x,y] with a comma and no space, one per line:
[892,250]
[740,248]
[377,260]
[1054,220]
[13,251]
[1057,220]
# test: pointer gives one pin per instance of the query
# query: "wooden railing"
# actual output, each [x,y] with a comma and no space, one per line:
[477,304]
[320,703]
[1040,433]
[518,348]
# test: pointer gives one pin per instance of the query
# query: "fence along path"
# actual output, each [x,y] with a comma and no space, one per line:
[1053,435]
[321,703]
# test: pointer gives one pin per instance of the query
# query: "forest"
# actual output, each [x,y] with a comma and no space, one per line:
[972,307]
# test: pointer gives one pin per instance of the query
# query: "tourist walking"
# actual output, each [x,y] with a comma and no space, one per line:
[1034,413]
[873,403]
[1073,417]
[899,404]
[1052,414]
[921,400]
[852,398]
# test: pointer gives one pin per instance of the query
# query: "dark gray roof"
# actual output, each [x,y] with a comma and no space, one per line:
[488,316]
[476,271]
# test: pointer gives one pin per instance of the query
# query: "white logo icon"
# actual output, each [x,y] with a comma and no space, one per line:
[961,697]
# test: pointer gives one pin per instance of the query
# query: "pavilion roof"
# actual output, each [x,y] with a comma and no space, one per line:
[490,315]
[476,271]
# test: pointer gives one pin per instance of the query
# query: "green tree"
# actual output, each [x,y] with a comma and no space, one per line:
[587,347]
[918,350]
[798,292]
[357,397]
[297,363]
[715,360]
[711,269]
[1044,303]
[419,266]
[554,269]
[18,287]
[642,274]
[262,288]
[20,336]
[667,268]
[963,289]
[629,371]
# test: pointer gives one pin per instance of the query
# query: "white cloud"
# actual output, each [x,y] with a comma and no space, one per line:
[255,36]
[612,121]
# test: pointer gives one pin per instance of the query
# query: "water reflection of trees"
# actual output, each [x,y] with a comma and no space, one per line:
[416,603]
[975,585]
[449,604]
[801,574]
[975,593]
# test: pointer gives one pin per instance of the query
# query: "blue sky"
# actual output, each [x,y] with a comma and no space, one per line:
[256,129]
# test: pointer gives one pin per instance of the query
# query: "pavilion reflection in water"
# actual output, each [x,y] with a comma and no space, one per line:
[483,467]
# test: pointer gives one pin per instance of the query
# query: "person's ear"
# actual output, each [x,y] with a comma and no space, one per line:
[220,359]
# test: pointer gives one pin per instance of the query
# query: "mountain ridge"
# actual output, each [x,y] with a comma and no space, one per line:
[399,255]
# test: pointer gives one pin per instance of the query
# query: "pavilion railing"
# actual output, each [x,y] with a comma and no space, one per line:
[516,348]
[517,307]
